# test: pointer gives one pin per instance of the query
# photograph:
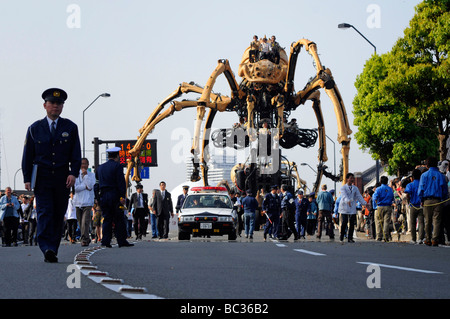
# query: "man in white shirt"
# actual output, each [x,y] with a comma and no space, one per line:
[84,200]
[347,207]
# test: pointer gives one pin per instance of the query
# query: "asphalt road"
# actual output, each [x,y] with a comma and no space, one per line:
[219,269]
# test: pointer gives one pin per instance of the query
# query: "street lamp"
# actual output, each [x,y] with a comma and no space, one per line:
[15,178]
[306,164]
[346,26]
[101,95]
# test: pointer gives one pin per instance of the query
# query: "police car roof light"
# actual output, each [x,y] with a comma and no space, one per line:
[208,188]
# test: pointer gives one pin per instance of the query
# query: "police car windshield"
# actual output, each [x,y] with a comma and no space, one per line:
[207,200]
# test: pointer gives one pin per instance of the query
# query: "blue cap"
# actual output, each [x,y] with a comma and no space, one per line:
[113,149]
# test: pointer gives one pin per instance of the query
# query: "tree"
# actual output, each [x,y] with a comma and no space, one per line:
[385,128]
[403,99]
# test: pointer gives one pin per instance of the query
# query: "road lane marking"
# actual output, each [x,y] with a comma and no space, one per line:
[309,252]
[281,245]
[401,268]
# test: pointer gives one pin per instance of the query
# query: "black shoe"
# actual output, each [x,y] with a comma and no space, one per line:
[50,256]
[127,244]
[351,241]
[106,245]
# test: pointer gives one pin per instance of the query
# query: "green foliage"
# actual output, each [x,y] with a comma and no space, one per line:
[403,96]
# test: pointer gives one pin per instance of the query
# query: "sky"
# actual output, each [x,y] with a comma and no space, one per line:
[139,51]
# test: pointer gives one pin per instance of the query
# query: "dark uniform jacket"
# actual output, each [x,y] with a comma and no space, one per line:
[180,201]
[52,156]
[110,178]
[271,203]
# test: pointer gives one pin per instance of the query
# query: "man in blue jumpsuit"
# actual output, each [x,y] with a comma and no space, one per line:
[50,164]
[111,189]
[271,206]
[432,192]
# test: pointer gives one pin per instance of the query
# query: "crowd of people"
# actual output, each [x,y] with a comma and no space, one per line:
[83,218]
[417,204]
[261,49]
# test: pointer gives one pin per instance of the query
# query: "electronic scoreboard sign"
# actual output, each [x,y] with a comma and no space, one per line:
[147,155]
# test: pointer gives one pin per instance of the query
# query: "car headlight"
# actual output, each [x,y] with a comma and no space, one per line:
[186,218]
[225,219]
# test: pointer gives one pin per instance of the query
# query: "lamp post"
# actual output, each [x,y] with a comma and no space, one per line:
[15,178]
[306,164]
[101,95]
[346,26]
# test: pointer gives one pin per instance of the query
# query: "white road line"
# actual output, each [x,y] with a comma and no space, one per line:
[281,245]
[401,268]
[309,252]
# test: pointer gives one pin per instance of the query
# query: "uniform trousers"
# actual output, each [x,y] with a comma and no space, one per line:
[301,222]
[417,213]
[383,222]
[52,198]
[432,218]
[288,224]
[271,227]
[112,215]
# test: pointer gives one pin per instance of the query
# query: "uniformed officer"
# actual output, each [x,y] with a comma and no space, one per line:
[271,207]
[50,164]
[181,198]
[111,190]
[288,214]
[301,209]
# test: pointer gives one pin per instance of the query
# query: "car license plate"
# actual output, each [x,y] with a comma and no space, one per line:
[206,226]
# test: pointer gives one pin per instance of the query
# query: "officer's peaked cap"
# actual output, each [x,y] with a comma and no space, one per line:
[54,95]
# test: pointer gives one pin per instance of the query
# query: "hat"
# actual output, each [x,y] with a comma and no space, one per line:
[249,192]
[299,192]
[54,95]
[185,187]
[115,149]
[139,186]
[274,187]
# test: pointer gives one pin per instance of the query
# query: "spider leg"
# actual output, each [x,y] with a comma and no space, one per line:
[323,79]
[208,99]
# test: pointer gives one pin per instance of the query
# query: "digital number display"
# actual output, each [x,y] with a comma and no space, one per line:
[147,155]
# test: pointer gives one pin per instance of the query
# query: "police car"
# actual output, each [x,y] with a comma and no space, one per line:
[207,211]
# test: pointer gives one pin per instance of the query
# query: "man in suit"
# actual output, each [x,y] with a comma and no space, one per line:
[139,204]
[164,210]
[52,150]
[111,190]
